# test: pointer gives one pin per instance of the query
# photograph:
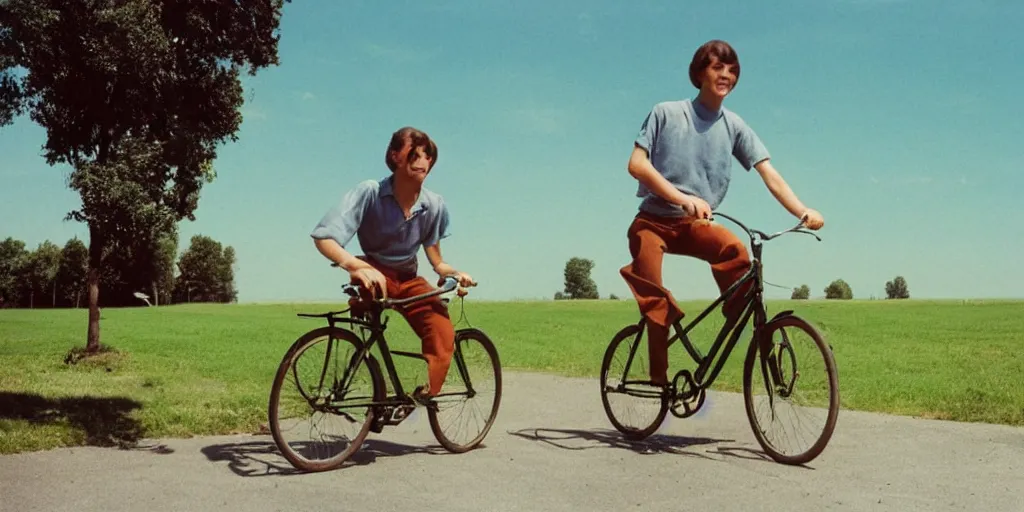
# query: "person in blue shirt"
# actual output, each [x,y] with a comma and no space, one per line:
[682,160]
[393,217]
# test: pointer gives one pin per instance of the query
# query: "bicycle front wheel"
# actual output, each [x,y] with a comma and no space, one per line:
[634,405]
[321,402]
[467,405]
[791,390]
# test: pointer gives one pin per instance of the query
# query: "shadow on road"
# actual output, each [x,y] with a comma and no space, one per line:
[262,458]
[104,421]
[570,439]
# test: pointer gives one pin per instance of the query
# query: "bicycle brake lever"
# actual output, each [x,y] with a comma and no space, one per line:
[807,233]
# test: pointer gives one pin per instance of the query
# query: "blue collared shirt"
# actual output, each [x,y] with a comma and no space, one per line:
[371,212]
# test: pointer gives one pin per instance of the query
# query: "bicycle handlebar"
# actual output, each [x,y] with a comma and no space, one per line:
[765,237]
[450,283]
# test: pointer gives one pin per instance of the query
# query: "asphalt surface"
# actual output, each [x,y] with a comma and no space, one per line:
[551,449]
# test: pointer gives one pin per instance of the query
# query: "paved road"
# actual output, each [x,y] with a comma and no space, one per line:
[551,449]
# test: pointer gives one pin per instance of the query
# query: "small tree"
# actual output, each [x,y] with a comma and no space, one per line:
[561,296]
[838,289]
[41,272]
[13,258]
[801,293]
[897,289]
[207,273]
[74,264]
[578,283]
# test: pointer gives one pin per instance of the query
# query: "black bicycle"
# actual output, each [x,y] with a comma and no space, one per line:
[772,358]
[338,381]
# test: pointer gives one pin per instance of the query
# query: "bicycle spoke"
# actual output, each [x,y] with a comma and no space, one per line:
[461,421]
[633,404]
[791,404]
[315,419]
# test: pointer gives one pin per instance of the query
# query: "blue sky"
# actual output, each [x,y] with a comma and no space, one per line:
[895,119]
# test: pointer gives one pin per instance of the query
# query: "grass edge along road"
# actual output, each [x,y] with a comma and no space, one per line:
[206,369]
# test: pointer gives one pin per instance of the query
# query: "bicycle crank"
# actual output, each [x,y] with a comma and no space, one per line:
[688,398]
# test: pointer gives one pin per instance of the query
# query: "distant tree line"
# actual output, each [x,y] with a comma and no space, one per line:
[578,284]
[840,289]
[51,276]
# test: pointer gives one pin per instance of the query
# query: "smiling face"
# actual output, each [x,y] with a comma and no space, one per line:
[718,79]
[715,70]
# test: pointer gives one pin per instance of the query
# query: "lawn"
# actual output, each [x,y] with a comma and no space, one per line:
[206,369]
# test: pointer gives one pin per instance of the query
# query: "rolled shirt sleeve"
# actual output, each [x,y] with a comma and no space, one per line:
[341,222]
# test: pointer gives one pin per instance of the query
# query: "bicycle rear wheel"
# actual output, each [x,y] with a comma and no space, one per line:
[791,377]
[321,400]
[626,386]
[465,409]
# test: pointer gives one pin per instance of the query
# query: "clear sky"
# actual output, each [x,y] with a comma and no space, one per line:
[901,121]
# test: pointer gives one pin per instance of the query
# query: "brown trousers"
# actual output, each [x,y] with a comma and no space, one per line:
[428,318]
[650,238]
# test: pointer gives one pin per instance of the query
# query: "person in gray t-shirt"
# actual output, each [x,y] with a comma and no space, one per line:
[682,159]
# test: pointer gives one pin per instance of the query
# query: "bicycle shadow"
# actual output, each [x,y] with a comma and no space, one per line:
[572,439]
[262,458]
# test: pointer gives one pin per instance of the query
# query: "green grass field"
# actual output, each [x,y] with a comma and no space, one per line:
[207,369]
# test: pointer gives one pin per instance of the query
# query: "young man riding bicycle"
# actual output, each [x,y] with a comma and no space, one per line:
[682,160]
[393,217]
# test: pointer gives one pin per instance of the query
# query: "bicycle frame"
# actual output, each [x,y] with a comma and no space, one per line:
[376,328]
[753,306]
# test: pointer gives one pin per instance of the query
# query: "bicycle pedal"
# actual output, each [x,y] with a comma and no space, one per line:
[402,412]
[380,420]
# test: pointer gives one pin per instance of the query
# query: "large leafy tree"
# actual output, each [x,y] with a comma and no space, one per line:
[135,96]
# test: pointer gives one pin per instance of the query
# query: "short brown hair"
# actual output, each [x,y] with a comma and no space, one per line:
[702,59]
[419,140]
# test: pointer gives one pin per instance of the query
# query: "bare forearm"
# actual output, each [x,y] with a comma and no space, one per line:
[640,167]
[437,262]
[780,189]
[337,254]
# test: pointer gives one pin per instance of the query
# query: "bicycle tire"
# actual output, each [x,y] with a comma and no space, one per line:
[634,434]
[461,337]
[286,365]
[792,321]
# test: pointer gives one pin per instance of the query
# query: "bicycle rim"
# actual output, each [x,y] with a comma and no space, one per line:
[792,395]
[320,410]
[465,411]
[633,405]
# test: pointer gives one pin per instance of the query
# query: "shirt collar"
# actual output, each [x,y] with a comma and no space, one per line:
[703,112]
[387,188]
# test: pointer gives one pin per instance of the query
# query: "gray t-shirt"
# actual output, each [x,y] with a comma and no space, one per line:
[691,147]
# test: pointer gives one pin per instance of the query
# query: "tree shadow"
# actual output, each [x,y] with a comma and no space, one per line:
[105,421]
[262,458]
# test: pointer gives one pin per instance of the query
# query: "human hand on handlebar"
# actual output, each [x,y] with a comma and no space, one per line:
[463,278]
[812,219]
[696,207]
[371,279]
